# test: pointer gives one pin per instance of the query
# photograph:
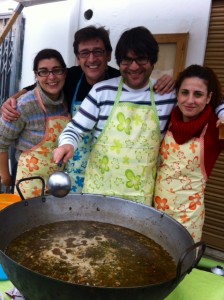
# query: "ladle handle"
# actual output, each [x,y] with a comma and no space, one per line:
[30,178]
[60,163]
[201,251]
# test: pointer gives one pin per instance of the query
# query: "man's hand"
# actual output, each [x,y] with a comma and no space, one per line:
[63,153]
[8,109]
[220,122]
[164,84]
[220,125]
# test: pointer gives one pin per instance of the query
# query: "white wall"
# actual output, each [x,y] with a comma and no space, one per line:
[49,26]
[160,16]
[53,25]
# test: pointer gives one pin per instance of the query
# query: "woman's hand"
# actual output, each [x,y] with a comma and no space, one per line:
[63,153]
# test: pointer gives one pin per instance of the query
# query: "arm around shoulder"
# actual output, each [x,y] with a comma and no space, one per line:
[8,109]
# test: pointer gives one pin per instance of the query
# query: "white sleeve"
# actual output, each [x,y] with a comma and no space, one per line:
[83,121]
[220,111]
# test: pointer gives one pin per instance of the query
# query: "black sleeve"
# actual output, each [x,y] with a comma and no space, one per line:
[30,87]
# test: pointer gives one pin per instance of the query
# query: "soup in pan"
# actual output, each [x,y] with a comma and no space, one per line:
[93,253]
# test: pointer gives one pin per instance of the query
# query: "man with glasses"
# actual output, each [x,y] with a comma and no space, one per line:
[127,119]
[93,50]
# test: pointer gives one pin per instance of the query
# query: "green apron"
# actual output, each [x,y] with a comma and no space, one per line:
[123,160]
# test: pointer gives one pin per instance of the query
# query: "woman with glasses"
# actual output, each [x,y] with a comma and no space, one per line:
[92,48]
[43,115]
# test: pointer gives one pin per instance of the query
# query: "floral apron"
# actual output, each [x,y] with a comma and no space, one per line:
[38,161]
[76,166]
[180,183]
[123,160]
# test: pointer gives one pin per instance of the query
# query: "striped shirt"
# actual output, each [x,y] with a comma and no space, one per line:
[97,106]
[29,129]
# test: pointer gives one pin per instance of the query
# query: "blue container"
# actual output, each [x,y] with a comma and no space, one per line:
[3,276]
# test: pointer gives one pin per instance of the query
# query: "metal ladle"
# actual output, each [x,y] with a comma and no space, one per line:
[59,184]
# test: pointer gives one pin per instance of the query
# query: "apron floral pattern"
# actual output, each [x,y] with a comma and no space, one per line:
[180,183]
[76,166]
[38,161]
[123,160]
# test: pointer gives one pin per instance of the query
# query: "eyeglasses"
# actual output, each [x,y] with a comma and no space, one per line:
[139,60]
[45,72]
[96,53]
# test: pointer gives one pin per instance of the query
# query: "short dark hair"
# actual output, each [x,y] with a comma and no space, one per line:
[139,40]
[47,54]
[92,32]
[208,76]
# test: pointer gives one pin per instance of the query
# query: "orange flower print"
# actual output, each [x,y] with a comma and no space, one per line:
[161,203]
[193,164]
[194,201]
[44,151]
[184,218]
[194,225]
[174,146]
[177,174]
[193,146]
[26,175]
[186,182]
[32,164]
[58,127]
[51,135]
[181,155]
[159,178]
[171,190]
[168,179]
[36,192]
[175,166]
[164,150]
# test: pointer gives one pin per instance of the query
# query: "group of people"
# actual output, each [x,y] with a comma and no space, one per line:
[92,49]
[119,120]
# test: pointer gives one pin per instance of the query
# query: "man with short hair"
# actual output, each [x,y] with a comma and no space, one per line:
[127,119]
[93,50]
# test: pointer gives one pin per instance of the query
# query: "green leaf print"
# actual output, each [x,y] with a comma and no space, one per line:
[133,181]
[126,160]
[137,119]
[117,146]
[124,123]
[97,181]
[104,164]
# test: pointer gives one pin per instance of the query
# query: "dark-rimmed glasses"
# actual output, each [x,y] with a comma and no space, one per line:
[96,53]
[127,61]
[45,72]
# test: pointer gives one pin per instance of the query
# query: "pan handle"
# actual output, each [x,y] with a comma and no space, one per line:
[30,178]
[201,245]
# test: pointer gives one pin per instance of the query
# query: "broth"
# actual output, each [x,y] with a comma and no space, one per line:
[93,253]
